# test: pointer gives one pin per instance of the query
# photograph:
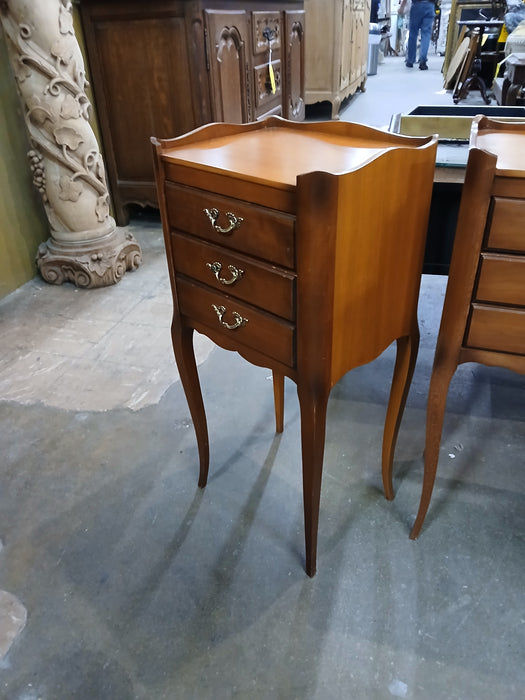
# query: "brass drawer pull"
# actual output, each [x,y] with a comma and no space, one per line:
[216,267]
[239,320]
[213,215]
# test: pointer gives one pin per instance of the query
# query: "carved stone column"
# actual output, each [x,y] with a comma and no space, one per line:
[85,246]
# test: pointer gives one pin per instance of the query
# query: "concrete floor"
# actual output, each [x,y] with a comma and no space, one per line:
[139,585]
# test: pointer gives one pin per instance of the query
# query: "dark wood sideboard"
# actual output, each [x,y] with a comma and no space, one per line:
[165,67]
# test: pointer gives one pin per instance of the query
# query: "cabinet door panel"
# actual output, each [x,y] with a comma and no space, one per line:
[266,34]
[346,45]
[228,70]
[293,49]
[359,41]
[149,53]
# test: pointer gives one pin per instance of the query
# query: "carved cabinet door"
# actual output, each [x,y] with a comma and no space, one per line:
[145,71]
[266,56]
[345,47]
[294,87]
[360,13]
[226,33]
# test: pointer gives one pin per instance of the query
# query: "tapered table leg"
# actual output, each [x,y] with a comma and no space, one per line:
[313,429]
[407,349]
[278,400]
[182,338]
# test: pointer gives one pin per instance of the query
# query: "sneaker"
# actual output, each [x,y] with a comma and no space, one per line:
[409,65]
[423,65]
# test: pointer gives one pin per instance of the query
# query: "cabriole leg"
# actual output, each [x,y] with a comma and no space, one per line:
[185,357]
[437,399]
[407,349]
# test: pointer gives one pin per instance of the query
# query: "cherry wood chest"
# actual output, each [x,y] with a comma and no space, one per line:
[277,250]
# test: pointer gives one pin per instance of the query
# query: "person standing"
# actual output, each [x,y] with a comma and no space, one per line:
[422,14]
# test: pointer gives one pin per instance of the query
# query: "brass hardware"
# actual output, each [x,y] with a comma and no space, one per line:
[239,320]
[213,215]
[216,267]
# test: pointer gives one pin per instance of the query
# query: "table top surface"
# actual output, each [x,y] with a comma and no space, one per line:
[278,156]
[509,147]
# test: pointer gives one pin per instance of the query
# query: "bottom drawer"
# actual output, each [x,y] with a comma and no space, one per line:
[263,332]
[497,328]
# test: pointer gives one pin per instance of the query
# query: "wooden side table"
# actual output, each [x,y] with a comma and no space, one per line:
[277,249]
[483,316]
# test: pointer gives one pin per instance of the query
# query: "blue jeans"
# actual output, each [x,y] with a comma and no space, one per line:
[421,18]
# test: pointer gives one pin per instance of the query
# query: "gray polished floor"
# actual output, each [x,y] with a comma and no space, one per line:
[137,584]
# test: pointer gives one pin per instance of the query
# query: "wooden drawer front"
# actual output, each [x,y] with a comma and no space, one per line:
[258,283]
[264,233]
[502,280]
[264,97]
[497,328]
[262,332]
[507,227]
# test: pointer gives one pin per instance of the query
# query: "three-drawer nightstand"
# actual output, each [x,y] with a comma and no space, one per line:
[300,246]
[483,316]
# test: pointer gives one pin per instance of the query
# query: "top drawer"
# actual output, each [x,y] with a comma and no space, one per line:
[507,225]
[264,233]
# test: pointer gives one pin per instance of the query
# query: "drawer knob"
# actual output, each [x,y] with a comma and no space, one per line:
[239,320]
[216,267]
[213,215]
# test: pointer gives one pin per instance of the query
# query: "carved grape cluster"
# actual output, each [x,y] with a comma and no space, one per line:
[39,175]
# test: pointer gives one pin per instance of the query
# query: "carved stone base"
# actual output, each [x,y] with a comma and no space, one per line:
[88,264]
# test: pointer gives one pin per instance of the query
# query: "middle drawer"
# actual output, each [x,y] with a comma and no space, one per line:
[268,287]
[501,279]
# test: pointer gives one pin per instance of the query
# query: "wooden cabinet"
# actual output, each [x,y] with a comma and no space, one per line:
[166,67]
[226,49]
[337,49]
[484,310]
[285,258]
